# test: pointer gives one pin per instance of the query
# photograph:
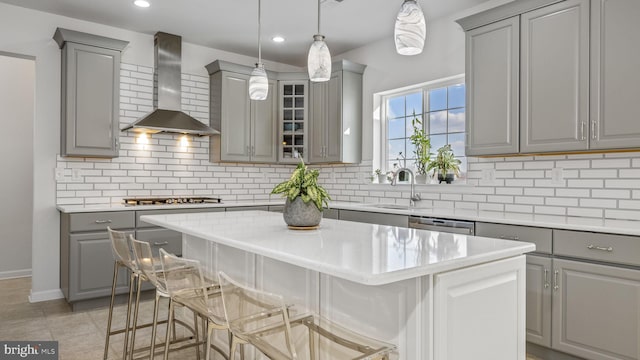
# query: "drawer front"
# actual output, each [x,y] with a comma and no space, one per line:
[169,240]
[98,221]
[539,236]
[603,247]
[375,218]
[141,224]
[247,208]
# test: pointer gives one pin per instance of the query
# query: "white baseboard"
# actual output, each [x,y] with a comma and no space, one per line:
[13,274]
[38,296]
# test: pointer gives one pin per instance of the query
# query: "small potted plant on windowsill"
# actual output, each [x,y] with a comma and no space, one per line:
[445,165]
[382,177]
[305,198]
[422,148]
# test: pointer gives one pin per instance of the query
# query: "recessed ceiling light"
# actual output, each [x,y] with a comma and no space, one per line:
[278,39]
[142,3]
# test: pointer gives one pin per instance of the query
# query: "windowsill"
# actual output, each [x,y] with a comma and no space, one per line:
[459,188]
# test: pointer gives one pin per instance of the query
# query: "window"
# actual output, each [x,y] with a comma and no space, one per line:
[439,106]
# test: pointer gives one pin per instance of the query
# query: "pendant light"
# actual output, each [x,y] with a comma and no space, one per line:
[258,82]
[410,29]
[319,60]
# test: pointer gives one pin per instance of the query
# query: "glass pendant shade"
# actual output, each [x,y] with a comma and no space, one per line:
[319,61]
[411,29]
[258,83]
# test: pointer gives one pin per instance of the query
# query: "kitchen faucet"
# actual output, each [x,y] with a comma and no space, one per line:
[414,197]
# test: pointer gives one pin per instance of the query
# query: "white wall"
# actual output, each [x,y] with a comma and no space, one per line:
[28,32]
[17,90]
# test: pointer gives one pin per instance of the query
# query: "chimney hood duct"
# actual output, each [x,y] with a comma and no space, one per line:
[167,94]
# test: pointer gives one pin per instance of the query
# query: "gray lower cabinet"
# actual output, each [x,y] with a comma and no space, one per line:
[596,310]
[554,92]
[91,267]
[539,272]
[614,74]
[331,214]
[492,76]
[375,218]
[86,260]
[90,94]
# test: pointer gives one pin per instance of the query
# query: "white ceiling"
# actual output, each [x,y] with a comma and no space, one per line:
[232,25]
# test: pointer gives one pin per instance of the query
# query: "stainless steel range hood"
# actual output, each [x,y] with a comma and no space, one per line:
[167,94]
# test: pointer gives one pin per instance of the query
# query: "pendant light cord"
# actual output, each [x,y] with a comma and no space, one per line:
[318,17]
[259,33]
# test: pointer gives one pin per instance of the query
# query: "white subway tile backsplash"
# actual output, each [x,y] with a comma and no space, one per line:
[611,163]
[595,185]
[585,212]
[611,194]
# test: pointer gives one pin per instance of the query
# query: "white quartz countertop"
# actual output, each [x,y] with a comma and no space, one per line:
[624,227]
[612,226]
[121,207]
[363,253]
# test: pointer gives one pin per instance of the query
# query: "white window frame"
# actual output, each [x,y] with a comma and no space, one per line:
[381,145]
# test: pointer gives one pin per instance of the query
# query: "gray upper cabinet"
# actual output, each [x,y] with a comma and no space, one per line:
[492,75]
[90,89]
[247,127]
[336,116]
[578,76]
[554,93]
[293,118]
[614,74]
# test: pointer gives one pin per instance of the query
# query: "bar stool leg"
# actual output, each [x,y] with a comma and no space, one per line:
[312,345]
[232,351]
[113,298]
[196,331]
[132,279]
[208,342]
[169,327]
[135,317]
[155,326]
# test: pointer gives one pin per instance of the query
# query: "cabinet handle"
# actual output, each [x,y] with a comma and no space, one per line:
[601,248]
[546,278]
[160,243]
[582,131]
[555,280]
[103,221]
[507,237]
[593,130]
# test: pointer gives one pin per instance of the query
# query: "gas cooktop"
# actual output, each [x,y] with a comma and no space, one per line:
[171,200]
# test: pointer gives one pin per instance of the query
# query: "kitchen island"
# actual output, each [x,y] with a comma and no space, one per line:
[434,295]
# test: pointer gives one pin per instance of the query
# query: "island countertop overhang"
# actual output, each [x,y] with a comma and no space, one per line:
[363,253]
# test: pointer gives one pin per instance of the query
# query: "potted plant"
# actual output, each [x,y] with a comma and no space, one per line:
[445,164]
[422,148]
[382,177]
[305,198]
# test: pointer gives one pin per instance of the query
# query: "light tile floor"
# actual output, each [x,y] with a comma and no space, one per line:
[80,335]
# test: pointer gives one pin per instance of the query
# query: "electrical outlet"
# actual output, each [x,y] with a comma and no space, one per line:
[75,175]
[59,174]
[557,175]
[489,175]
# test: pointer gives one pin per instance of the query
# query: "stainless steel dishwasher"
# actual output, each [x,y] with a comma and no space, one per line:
[443,225]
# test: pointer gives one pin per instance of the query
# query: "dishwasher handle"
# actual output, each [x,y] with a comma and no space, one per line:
[444,225]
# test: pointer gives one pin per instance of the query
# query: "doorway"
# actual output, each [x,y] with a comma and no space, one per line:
[17,104]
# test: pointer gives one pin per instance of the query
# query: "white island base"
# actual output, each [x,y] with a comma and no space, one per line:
[436,296]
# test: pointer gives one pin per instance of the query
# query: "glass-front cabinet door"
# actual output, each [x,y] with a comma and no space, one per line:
[293,117]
